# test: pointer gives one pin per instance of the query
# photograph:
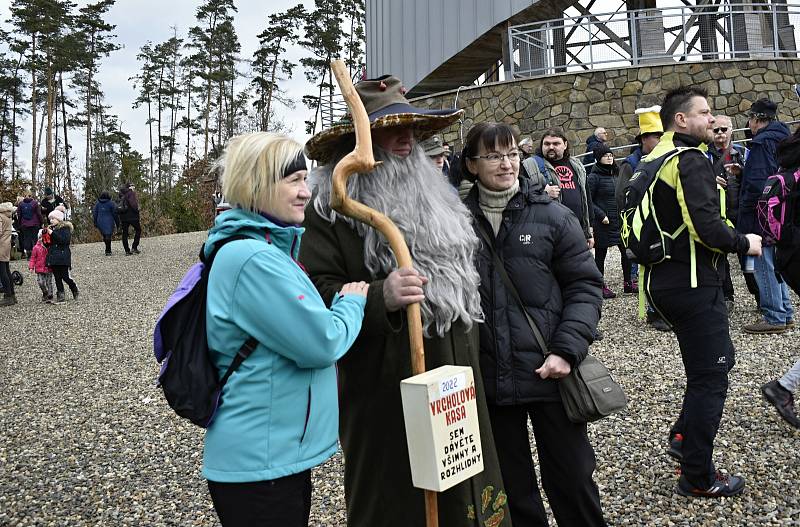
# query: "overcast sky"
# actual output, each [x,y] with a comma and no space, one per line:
[138,21]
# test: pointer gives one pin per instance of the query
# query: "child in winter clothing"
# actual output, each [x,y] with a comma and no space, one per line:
[59,257]
[37,264]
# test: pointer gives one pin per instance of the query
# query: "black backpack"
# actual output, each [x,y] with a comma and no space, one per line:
[187,376]
[644,240]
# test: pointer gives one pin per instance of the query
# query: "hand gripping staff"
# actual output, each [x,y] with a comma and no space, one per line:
[360,160]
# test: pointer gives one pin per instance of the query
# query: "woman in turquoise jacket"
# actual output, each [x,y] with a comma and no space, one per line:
[281,414]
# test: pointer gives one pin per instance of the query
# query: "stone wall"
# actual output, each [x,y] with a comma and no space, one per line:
[581,102]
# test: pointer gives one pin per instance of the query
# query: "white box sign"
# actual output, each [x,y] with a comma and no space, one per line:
[441,416]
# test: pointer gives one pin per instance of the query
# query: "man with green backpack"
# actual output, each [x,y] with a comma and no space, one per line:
[674,227]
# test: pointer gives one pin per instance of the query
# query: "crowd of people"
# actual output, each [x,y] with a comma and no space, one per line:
[501,236]
[45,235]
[504,236]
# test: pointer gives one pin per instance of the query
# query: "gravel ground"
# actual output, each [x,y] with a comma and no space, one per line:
[86,439]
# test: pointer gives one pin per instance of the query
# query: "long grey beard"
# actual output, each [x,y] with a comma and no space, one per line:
[437,227]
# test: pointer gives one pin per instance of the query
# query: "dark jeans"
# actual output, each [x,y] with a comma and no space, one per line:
[566,461]
[29,237]
[700,321]
[61,274]
[600,260]
[5,278]
[284,501]
[137,233]
[107,241]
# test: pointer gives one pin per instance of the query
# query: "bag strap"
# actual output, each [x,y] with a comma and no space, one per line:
[251,343]
[501,269]
[244,352]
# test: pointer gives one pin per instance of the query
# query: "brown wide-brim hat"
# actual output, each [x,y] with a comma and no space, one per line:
[386,105]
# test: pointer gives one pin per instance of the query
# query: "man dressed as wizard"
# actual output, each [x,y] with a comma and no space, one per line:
[437,227]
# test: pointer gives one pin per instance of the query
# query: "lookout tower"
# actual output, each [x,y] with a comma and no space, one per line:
[586,63]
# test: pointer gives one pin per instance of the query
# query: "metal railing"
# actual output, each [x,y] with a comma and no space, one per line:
[334,107]
[674,34]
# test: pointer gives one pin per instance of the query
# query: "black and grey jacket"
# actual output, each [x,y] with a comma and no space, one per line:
[545,254]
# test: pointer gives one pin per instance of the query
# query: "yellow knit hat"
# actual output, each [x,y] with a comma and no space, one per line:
[649,121]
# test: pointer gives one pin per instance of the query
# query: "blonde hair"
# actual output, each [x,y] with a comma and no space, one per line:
[252,165]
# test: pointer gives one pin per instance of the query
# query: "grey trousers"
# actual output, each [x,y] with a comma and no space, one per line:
[791,380]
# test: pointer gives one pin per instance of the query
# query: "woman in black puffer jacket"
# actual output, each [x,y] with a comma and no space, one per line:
[602,182]
[544,252]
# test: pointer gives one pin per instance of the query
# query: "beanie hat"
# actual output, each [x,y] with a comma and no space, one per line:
[56,216]
[48,191]
[62,208]
[600,150]
[763,109]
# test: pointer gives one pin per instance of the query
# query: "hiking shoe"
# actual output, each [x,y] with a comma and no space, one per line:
[675,448]
[763,327]
[608,293]
[789,324]
[136,251]
[60,299]
[783,401]
[598,335]
[724,486]
[630,288]
[108,253]
[75,293]
[128,253]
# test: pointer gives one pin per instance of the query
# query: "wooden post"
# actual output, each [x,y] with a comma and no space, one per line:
[361,160]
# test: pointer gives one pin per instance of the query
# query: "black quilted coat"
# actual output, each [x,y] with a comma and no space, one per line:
[602,183]
[547,259]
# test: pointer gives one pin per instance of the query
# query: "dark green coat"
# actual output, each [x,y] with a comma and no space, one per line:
[378,487]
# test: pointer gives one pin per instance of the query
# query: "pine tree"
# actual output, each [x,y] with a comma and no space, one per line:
[355,44]
[97,41]
[11,93]
[206,39]
[146,82]
[323,31]
[268,65]
[59,51]
[28,19]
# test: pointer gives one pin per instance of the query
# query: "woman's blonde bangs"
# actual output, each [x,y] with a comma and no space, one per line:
[253,164]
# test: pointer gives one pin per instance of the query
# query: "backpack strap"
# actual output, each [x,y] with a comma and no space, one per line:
[247,348]
[540,163]
[251,343]
[208,260]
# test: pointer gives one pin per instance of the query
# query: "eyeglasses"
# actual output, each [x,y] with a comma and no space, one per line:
[721,129]
[495,158]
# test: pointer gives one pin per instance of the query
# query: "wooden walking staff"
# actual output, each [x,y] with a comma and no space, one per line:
[360,160]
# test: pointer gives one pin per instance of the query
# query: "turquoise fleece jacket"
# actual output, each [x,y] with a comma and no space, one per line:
[280,412]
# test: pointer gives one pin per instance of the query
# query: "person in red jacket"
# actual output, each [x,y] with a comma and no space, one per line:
[38,264]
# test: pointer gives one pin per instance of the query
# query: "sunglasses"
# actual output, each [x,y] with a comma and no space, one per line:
[721,129]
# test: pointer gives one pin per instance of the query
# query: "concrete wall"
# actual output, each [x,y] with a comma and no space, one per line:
[580,102]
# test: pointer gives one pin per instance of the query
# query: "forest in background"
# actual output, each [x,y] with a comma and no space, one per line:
[196,88]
